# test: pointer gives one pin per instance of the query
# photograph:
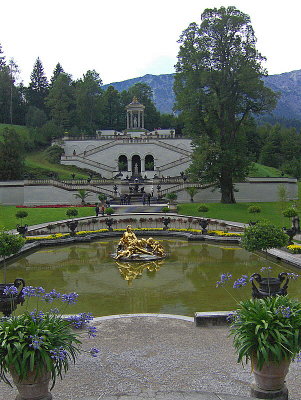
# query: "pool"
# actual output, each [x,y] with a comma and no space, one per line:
[183,283]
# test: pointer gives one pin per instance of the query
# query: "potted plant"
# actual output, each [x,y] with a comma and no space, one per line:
[72,225]
[203,208]
[267,332]
[22,229]
[38,346]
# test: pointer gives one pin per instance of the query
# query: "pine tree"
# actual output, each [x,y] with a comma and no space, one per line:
[38,86]
[61,101]
[2,59]
[56,72]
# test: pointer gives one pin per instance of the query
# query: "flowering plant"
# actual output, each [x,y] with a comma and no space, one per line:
[267,329]
[41,341]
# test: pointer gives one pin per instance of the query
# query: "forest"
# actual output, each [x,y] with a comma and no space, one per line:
[52,108]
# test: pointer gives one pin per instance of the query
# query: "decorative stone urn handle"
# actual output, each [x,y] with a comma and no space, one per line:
[269,286]
[17,283]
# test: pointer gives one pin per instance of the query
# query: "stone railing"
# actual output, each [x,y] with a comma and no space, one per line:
[119,137]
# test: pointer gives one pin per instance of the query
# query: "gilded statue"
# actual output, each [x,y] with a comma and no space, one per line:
[132,248]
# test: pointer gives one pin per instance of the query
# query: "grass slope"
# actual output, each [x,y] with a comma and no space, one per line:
[263,171]
[37,160]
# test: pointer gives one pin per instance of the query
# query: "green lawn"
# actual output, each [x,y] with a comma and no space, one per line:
[263,171]
[237,212]
[37,215]
[37,160]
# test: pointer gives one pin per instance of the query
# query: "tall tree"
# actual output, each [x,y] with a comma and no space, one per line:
[56,72]
[61,101]
[114,114]
[11,155]
[218,86]
[38,86]
[88,92]
[2,59]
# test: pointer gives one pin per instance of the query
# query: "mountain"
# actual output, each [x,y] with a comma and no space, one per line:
[288,84]
[162,86]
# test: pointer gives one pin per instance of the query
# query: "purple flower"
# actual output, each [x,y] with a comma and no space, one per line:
[224,278]
[297,357]
[59,354]
[93,351]
[36,341]
[10,291]
[69,298]
[51,296]
[292,275]
[81,320]
[285,311]
[54,311]
[265,269]
[92,331]
[241,282]
[31,291]
[37,316]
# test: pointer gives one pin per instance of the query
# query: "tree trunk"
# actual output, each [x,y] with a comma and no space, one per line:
[226,185]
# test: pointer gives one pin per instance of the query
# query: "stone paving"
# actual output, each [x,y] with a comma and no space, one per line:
[159,357]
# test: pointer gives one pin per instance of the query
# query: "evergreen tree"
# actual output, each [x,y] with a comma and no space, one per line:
[113,112]
[5,91]
[56,72]
[38,86]
[218,86]
[2,59]
[61,101]
[11,155]
[88,92]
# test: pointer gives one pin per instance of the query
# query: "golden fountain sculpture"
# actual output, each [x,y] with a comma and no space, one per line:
[130,248]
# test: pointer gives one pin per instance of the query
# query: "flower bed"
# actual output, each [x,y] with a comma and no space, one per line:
[83,233]
[294,248]
[58,206]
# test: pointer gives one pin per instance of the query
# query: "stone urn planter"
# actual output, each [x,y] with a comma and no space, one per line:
[72,225]
[9,302]
[270,380]
[33,387]
[22,230]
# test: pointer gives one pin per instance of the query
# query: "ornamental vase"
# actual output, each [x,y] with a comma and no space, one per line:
[272,375]
[32,387]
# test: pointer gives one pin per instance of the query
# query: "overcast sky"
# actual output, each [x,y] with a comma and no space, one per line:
[125,39]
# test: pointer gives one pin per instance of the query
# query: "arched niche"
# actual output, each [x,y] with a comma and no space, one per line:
[122,163]
[149,163]
[136,165]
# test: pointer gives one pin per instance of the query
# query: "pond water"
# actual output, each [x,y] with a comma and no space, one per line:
[183,283]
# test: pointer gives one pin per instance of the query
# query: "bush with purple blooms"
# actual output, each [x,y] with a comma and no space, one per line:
[267,329]
[42,339]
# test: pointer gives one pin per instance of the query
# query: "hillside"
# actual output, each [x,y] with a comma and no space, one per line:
[288,84]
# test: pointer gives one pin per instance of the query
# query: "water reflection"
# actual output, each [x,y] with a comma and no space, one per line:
[133,270]
[183,283]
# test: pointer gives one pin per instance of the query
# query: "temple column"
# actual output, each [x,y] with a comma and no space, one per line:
[139,126]
[142,164]
[127,120]
[142,120]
